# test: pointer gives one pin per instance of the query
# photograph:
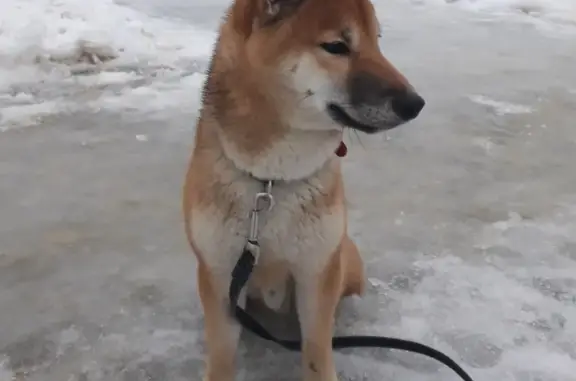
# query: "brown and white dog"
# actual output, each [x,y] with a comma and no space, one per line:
[286,77]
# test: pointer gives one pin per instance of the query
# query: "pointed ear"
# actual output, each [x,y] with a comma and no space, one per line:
[276,10]
[250,14]
[272,7]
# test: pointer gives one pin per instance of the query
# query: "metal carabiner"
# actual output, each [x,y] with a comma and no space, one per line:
[262,201]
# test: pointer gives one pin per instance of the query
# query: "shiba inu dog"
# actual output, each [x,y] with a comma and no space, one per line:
[286,78]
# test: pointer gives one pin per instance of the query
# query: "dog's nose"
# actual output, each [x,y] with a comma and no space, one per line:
[408,105]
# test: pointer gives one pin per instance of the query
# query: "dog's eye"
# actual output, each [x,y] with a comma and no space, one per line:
[337,48]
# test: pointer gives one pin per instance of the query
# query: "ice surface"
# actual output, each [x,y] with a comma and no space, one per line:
[501,108]
[466,217]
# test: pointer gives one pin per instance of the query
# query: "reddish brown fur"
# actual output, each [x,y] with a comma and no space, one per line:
[245,100]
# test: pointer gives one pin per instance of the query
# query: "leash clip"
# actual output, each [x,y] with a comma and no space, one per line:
[262,201]
[253,248]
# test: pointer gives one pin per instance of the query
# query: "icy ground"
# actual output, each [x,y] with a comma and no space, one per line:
[466,217]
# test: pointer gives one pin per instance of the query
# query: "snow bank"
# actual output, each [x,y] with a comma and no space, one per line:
[50,47]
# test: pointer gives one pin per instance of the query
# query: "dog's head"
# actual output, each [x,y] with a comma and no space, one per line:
[321,61]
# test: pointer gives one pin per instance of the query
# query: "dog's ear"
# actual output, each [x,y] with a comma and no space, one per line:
[250,14]
[276,10]
[272,7]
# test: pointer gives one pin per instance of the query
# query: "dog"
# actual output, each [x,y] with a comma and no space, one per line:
[285,79]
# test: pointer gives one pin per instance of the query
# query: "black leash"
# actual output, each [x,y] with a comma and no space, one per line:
[240,276]
[244,268]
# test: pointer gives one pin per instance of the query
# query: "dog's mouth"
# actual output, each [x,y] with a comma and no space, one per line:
[340,116]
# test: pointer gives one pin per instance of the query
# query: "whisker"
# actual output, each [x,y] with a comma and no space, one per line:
[359,139]
[349,135]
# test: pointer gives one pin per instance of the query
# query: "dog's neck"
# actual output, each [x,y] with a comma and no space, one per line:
[296,155]
[250,128]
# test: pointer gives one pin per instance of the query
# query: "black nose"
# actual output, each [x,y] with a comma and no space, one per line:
[408,105]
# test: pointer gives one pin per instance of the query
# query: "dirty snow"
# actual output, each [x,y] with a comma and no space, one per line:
[466,217]
[82,52]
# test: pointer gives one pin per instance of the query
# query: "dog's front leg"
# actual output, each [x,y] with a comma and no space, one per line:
[221,332]
[318,294]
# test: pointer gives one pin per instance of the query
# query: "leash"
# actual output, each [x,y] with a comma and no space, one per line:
[244,268]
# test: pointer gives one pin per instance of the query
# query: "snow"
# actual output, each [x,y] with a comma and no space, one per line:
[501,108]
[469,232]
[89,46]
[84,46]
[5,373]
[509,312]
[56,29]
[557,11]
